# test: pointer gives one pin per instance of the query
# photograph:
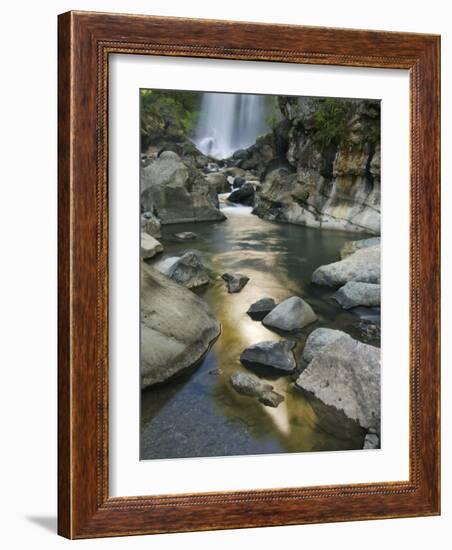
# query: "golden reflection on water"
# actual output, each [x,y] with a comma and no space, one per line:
[255,248]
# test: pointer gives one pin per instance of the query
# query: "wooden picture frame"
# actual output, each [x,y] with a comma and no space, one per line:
[86,40]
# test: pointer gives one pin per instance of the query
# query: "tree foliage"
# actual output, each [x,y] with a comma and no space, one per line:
[331,122]
[167,113]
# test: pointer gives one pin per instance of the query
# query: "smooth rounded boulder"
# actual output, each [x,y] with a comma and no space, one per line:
[169,344]
[291,314]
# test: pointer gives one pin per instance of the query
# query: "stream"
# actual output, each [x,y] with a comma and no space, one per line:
[199,414]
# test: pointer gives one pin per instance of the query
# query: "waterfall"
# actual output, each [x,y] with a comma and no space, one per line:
[229,122]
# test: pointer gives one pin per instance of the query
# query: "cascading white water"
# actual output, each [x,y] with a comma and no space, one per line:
[229,122]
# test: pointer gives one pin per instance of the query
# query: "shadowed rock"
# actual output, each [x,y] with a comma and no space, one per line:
[277,355]
[261,307]
[243,195]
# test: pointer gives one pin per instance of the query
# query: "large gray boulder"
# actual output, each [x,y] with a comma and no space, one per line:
[362,266]
[149,246]
[252,386]
[318,339]
[345,374]
[354,294]
[177,192]
[350,247]
[188,270]
[277,355]
[169,344]
[291,314]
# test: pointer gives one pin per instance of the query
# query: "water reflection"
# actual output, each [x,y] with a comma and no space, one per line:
[199,414]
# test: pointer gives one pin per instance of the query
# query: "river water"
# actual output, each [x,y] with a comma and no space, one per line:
[198,413]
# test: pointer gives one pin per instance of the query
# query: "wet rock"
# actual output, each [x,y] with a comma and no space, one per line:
[318,339]
[238,182]
[371,441]
[189,271]
[261,307]
[252,386]
[350,247]
[361,266]
[186,236]
[345,374]
[291,314]
[277,355]
[149,246]
[354,294]
[150,224]
[235,282]
[243,195]
[169,344]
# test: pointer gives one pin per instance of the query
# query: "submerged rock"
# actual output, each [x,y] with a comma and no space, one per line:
[188,270]
[350,247]
[186,236]
[149,246]
[170,344]
[354,294]
[243,195]
[252,386]
[235,282]
[318,339]
[261,307]
[277,355]
[291,314]
[361,266]
[345,374]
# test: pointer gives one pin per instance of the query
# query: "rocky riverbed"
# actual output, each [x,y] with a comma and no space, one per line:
[261,291]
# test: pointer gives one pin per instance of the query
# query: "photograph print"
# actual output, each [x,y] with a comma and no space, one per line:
[260,274]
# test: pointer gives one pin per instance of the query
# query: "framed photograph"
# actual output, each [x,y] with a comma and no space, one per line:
[248,275]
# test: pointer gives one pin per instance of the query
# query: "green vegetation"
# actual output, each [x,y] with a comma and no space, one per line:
[330,123]
[167,114]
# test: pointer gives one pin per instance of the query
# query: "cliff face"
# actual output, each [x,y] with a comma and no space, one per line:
[332,179]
